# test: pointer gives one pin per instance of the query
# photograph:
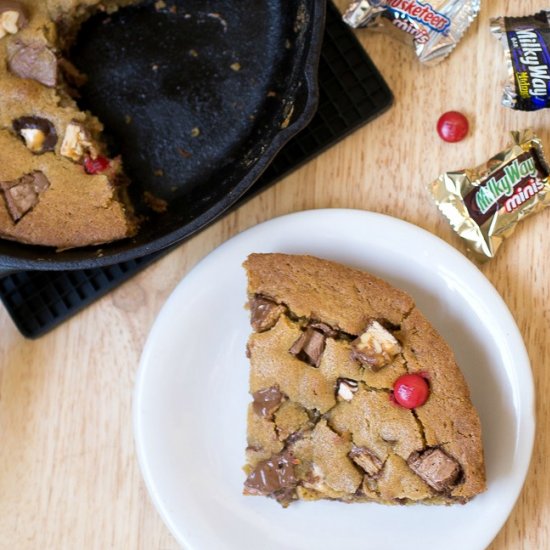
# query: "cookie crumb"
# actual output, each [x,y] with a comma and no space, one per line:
[235,67]
[156,204]
[195,132]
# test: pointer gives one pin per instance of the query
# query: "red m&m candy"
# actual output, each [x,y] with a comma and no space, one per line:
[97,165]
[411,390]
[452,126]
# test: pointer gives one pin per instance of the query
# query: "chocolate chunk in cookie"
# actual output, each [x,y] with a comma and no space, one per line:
[38,133]
[264,313]
[436,468]
[22,195]
[366,460]
[309,347]
[267,401]
[272,476]
[12,17]
[34,61]
[376,347]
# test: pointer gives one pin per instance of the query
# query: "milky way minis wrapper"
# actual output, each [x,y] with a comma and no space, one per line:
[526,42]
[485,204]
[433,28]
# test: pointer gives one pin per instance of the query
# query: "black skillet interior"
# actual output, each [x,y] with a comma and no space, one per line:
[197,97]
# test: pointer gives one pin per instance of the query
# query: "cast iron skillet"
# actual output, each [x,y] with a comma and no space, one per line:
[197,100]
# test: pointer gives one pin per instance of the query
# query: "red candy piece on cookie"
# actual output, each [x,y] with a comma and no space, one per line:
[452,126]
[411,390]
[97,165]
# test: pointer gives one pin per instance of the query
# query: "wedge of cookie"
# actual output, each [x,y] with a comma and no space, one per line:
[356,397]
[58,187]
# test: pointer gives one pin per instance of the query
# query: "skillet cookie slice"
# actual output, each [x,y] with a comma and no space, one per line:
[58,188]
[356,397]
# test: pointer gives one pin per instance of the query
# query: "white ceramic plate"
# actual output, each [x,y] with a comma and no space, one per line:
[191,394]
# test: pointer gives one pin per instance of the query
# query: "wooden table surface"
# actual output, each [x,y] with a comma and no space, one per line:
[69,477]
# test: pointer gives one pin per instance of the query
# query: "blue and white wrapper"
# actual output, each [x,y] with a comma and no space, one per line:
[433,28]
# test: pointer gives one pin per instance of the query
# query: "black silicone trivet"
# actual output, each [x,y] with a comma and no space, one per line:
[352,93]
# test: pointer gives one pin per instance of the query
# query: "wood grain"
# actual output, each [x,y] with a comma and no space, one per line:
[68,472]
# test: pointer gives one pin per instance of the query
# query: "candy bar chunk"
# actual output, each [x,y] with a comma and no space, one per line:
[273,477]
[367,460]
[436,468]
[309,347]
[77,142]
[346,388]
[267,401]
[38,133]
[22,195]
[264,313]
[12,17]
[34,61]
[376,347]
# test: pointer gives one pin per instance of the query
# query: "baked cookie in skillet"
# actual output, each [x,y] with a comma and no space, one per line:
[356,397]
[57,185]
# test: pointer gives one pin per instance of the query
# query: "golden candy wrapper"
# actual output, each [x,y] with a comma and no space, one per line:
[485,204]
